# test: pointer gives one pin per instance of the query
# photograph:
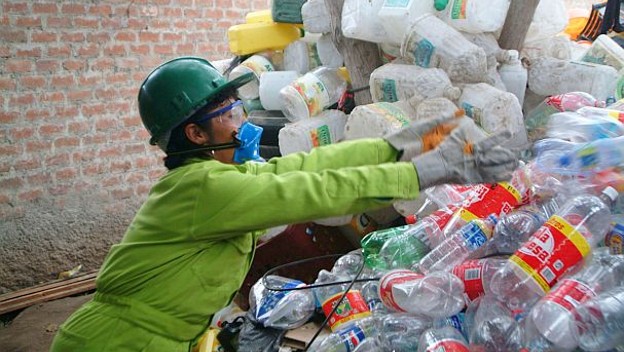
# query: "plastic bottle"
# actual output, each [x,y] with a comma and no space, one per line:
[312,93]
[360,21]
[396,16]
[430,42]
[600,321]
[476,275]
[558,247]
[550,76]
[558,47]
[375,120]
[394,82]
[476,16]
[562,157]
[583,126]
[400,332]
[301,56]
[250,38]
[326,128]
[494,110]
[457,247]
[393,248]
[600,112]
[550,18]
[353,307]
[328,54]
[256,64]
[348,265]
[315,17]
[437,295]
[514,75]
[554,315]
[434,107]
[491,325]
[271,83]
[442,339]
[281,309]
[615,238]
[605,51]
[537,118]
[347,338]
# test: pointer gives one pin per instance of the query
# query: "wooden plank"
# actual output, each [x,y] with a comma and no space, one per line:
[517,23]
[360,57]
[45,286]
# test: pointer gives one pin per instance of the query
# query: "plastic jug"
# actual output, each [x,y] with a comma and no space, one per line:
[328,53]
[287,11]
[259,16]
[549,76]
[301,56]
[514,75]
[360,21]
[315,17]
[301,136]
[475,16]
[250,38]
[550,18]
[559,47]
[430,42]
[375,120]
[605,51]
[256,64]
[393,82]
[396,15]
[270,85]
[494,110]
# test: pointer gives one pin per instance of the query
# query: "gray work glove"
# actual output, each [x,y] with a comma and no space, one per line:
[409,139]
[454,161]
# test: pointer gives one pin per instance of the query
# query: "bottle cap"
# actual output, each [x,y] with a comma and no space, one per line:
[565,160]
[611,192]
[440,5]
[493,218]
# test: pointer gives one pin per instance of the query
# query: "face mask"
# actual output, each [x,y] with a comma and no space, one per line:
[249,148]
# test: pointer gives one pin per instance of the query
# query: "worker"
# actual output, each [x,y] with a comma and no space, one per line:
[191,244]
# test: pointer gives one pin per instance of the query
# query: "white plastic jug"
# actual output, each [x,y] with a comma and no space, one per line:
[605,51]
[315,17]
[432,43]
[494,110]
[301,136]
[256,64]
[476,16]
[394,82]
[301,56]
[435,107]
[396,15]
[559,47]
[270,85]
[328,54]
[375,120]
[551,18]
[549,76]
[360,21]
[514,75]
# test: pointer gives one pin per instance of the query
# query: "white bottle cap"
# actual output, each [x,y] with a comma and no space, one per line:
[611,192]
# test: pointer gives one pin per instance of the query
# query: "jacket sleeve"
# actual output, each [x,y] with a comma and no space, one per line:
[232,201]
[360,152]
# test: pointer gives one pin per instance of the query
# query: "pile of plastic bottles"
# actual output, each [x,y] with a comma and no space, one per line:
[532,264]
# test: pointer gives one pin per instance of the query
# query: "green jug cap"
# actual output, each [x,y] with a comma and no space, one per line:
[440,4]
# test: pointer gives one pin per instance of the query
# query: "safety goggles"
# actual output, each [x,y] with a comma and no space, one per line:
[234,113]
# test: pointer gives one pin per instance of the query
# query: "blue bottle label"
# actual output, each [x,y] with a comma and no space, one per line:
[351,337]
[423,52]
[268,302]
[389,90]
[474,235]
[615,239]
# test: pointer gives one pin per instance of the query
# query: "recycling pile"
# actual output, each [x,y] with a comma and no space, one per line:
[532,264]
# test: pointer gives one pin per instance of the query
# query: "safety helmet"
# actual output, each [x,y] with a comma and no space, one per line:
[175,90]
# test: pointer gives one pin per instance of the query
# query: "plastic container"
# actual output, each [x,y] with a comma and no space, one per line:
[256,64]
[281,309]
[360,21]
[569,158]
[605,51]
[396,16]
[250,38]
[549,76]
[271,83]
[394,82]
[347,338]
[600,321]
[434,107]
[577,127]
[514,75]
[443,339]
[476,275]
[476,16]
[315,17]
[550,18]
[301,56]
[430,42]
[312,93]
[494,110]
[262,16]
[328,54]
[394,248]
[558,47]
[287,11]
[375,120]
[301,136]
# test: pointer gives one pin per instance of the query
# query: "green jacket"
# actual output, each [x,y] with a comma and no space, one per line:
[191,244]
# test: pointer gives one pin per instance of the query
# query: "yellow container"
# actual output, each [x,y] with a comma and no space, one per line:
[208,342]
[249,38]
[263,16]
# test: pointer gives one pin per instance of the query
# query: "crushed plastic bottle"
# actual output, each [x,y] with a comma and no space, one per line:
[360,21]
[281,309]
[600,321]
[475,16]
[393,248]
[492,325]
[374,120]
[583,126]
[347,338]
[256,64]
[326,128]
[396,16]
[315,17]
[556,249]
[569,158]
[442,339]
[399,332]
[476,275]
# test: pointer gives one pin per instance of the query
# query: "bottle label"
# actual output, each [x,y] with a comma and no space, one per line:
[551,251]
[396,3]
[473,112]
[470,273]
[391,113]
[388,282]
[458,10]
[313,92]
[351,336]
[258,65]
[320,136]
[570,293]
[615,239]
[272,298]
[423,52]
[458,321]
[499,198]
[388,90]
[352,307]
[441,217]
[588,156]
[473,235]
[448,345]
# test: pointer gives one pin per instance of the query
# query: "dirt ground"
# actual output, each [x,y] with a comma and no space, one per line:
[34,328]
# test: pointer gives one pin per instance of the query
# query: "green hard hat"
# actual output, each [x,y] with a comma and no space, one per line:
[175,90]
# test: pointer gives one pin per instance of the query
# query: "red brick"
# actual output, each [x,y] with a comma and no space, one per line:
[79,95]
[59,22]
[37,114]
[75,37]
[135,177]
[50,130]
[44,8]
[185,49]
[156,174]
[173,12]
[143,189]
[66,111]
[4,166]
[94,139]
[5,51]
[44,65]
[173,37]
[62,51]
[106,94]
[120,166]
[78,127]
[28,22]
[32,82]
[18,65]
[116,78]
[88,50]
[109,152]
[102,10]
[73,9]
[131,122]
[59,190]
[115,50]
[113,180]
[30,195]
[192,13]
[33,52]
[83,155]
[113,22]
[95,110]
[149,37]
[86,22]
[102,64]
[136,148]
[99,37]
[53,97]
[39,179]
[160,24]
[10,149]
[15,7]
[89,79]
[4,199]
[66,142]
[7,83]
[93,169]
[22,100]
[182,25]
[38,146]
[104,123]
[66,173]
[163,49]
[62,81]
[122,193]
[27,164]
[121,135]
[125,37]
[43,37]
[74,65]
[56,160]
[11,183]
[22,132]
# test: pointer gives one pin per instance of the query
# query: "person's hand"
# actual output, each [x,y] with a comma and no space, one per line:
[459,159]
[421,136]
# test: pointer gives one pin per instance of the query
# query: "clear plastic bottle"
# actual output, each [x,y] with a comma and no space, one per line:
[360,21]
[315,17]
[270,84]
[437,295]
[304,135]
[347,338]
[491,325]
[393,82]
[537,119]
[430,42]
[442,339]
[582,126]
[476,16]
[256,64]
[396,16]
[399,332]
[457,247]
[556,249]
[476,275]
[281,309]
[562,157]
[312,93]
[301,56]
[514,75]
[600,112]
[600,321]
[393,248]
[550,76]
[554,315]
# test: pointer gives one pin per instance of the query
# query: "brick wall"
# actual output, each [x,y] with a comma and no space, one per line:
[74,162]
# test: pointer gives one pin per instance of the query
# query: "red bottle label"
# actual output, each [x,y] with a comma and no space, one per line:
[551,251]
[470,272]
[570,294]
[352,307]
[387,283]
[448,345]
[499,198]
